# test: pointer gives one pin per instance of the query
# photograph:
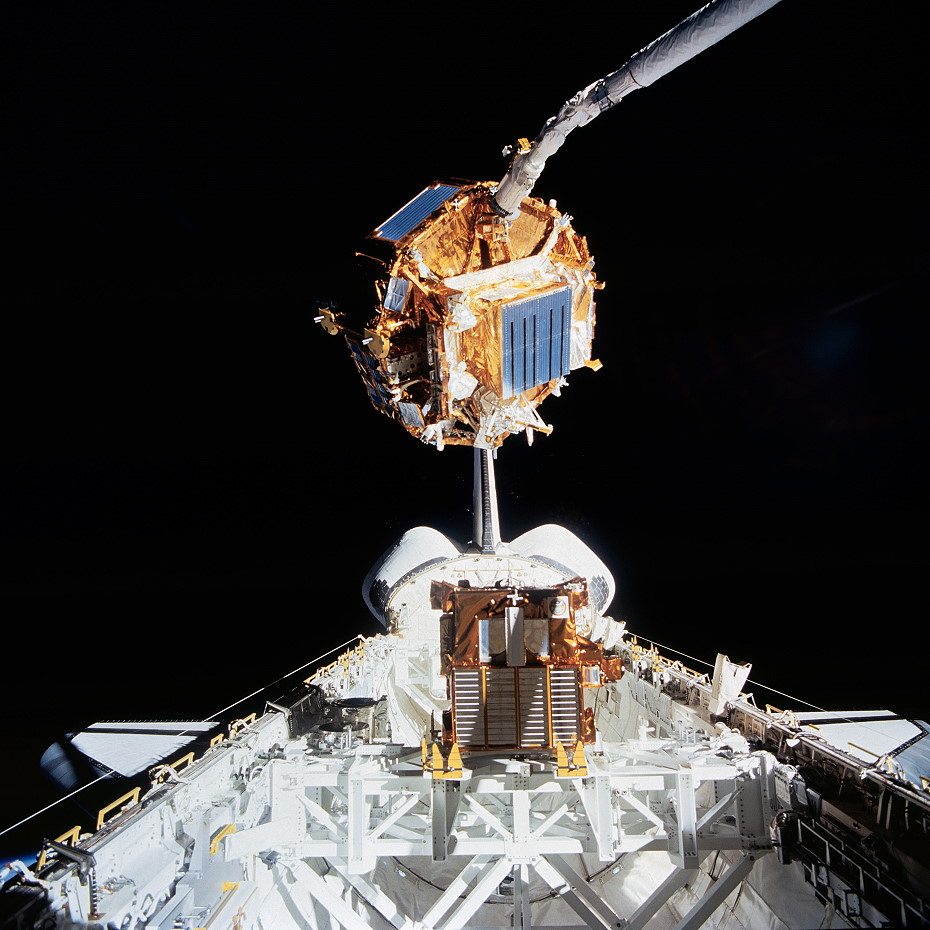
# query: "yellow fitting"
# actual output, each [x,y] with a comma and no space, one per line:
[437,764]
[71,838]
[239,724]
[183,761]
[329,323]
[442,768]
[215,842]
[454,765]
[577,767]
[130,795]
[579,762]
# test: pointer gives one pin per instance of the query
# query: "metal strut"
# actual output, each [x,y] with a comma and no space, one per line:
[486,531]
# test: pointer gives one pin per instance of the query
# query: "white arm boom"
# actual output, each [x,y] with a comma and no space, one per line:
[699,31]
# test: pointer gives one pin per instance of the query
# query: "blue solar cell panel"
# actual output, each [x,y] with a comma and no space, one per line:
[377,391]
[535,340]
[410,216]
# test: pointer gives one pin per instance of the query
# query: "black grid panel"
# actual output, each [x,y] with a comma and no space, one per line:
[535,340]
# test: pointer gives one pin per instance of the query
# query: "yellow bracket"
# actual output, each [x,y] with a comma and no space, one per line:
[454,764]
[184,761]
[433,761]
[216,840]
[579,762]
[328,322]
[71,838]
[160,773]
[237,725]
[577,767]
[378,343]
[130,795]
[874,755]
[436,762]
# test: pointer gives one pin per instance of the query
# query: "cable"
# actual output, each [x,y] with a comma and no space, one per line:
[287,675]
[839,719]
[110,772]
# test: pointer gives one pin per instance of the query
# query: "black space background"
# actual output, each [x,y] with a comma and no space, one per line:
[193,484]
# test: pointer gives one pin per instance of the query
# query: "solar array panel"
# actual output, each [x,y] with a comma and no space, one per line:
[410,216]
[535,340]
[372,376]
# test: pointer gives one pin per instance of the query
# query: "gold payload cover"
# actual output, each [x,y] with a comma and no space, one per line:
[475,318]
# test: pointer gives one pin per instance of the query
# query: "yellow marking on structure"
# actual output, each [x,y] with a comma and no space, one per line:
[577,767]
[229,886]
[237,725]
[161,772]
[74,834]
[454,766]
[579,762]
[215,842]
[130,795]
[71,838]
[437,764]
[184,760]
[217,740]
[442,768]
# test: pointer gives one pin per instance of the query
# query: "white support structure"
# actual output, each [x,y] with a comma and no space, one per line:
[718,893]
[654,824]
[313,831]
[333,830]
